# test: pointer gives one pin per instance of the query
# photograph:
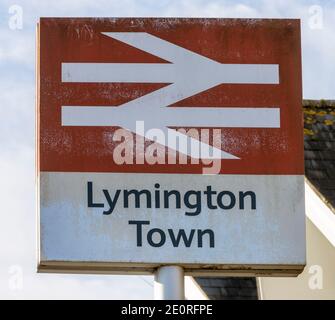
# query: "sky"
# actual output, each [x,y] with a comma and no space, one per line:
[18,277]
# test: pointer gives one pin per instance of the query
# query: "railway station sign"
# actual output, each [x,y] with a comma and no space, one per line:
[170,141]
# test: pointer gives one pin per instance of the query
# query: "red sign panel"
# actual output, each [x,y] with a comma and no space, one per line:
[239,76]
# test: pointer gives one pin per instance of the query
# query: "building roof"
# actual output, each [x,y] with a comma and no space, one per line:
[319,145]
[319,136]
[229,288]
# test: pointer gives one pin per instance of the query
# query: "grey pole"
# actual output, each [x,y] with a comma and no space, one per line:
[169,283]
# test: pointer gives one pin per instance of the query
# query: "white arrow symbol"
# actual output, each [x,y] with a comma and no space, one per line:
[189,73]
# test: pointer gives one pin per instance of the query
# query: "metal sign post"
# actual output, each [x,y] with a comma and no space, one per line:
[169,283]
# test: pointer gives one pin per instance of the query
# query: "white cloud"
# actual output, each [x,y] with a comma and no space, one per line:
[18,47]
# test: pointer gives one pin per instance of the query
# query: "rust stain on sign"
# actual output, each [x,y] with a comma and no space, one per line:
[227,41]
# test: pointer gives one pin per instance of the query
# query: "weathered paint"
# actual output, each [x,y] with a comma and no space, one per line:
[271,235]
[232,41]
[267,160]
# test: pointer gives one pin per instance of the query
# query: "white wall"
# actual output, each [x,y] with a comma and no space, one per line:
[320,254]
